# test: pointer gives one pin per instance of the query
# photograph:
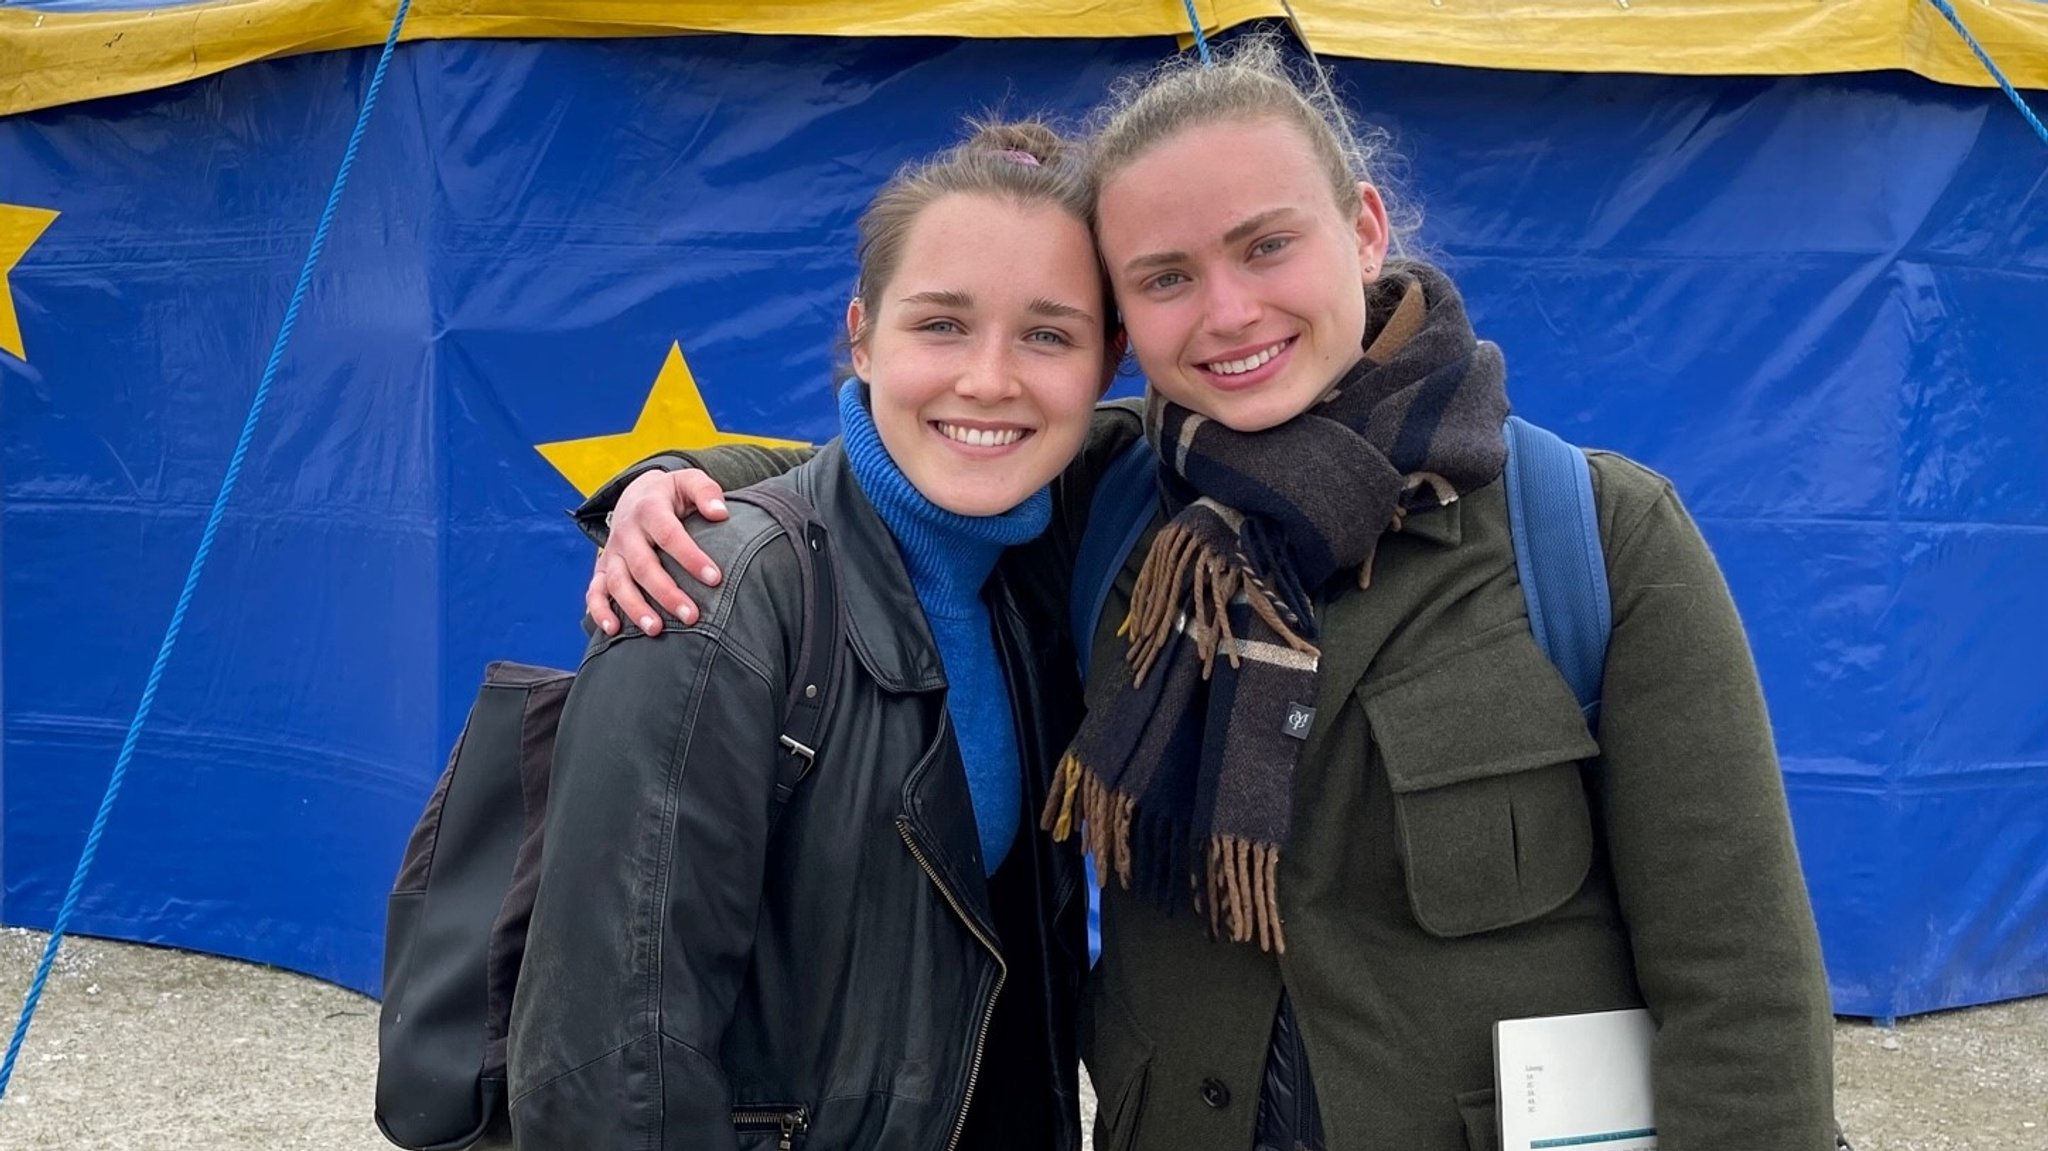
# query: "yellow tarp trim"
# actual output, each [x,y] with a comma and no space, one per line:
[52,58]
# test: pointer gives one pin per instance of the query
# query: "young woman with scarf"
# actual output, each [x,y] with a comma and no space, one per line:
[890,955]
[1307,941]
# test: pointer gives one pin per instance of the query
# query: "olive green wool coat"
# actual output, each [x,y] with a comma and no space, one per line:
[1465,851]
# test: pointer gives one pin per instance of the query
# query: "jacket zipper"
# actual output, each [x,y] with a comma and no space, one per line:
[791,1123]
[1002,974]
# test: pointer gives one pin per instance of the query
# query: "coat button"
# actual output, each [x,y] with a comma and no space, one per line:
[1215,1094]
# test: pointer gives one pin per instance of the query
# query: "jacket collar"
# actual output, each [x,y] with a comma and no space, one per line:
[884,622]
[1441,525]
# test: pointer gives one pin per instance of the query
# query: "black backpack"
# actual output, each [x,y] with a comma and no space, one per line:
[455,928]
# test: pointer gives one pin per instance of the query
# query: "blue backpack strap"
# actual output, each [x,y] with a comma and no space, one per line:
[1556,530]
[1124,501]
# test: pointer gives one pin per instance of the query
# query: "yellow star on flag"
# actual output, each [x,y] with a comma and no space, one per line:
[19,228]
[673,417]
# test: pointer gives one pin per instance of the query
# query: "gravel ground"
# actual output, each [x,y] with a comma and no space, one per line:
[145,1049]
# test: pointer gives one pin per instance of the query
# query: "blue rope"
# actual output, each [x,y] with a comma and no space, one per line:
[2018,101]
[220,503]
[1201,41]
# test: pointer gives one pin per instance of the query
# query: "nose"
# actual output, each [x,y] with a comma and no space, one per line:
[1229,305]
[990,374]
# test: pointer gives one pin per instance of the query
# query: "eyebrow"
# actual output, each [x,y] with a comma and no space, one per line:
[942,299]
[1051,309]
[1243,230]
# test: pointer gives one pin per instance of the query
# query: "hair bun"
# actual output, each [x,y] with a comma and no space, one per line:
[1034,138]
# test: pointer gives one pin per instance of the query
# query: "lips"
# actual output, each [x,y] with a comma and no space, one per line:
[1247,363]
[1248,367]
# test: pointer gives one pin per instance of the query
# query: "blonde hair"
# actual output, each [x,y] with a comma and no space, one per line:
[1250,80]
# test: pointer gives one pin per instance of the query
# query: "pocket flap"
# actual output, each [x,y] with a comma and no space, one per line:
[1481,749]
[1492,708]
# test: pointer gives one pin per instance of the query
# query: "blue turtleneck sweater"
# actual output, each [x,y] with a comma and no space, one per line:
[949,557]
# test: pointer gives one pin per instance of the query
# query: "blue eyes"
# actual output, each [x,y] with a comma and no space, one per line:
[1043,336]
[1269,246]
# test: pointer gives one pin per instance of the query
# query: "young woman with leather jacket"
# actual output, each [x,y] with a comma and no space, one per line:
[889,958]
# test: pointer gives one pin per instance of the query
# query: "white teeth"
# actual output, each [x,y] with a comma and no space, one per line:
[1240,367]
[981,437]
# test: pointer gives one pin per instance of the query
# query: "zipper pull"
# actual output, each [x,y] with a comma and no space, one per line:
[793,1124]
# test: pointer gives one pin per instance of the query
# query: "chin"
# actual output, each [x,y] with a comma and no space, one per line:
[1251,415]
[1270,408]
[977,503]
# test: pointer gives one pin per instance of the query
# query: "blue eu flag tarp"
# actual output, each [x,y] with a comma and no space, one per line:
[1815,303]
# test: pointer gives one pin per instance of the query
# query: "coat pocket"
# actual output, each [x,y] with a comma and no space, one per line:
[1482,1120]
[1119,1060]
[1481,749]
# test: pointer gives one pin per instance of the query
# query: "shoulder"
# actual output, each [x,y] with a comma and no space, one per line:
[1650,540]
[753,612]
[755,554]
[636,681]
[1116,425]
[1631,497]
[1122,420]
[739,540]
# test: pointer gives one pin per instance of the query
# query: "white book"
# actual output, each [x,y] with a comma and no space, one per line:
[1575,1082]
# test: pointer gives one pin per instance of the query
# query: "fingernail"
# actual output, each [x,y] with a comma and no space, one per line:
[687,614]
[715,506]
[609,626]
[646,623]
[710,574]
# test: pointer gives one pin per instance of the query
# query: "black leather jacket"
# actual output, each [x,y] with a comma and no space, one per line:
[706,972]
[1288,1116]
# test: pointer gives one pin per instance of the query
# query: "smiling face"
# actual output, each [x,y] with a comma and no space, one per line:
[984,350]
[1240,279]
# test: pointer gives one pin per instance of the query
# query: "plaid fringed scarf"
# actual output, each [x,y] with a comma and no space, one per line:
[1183,774]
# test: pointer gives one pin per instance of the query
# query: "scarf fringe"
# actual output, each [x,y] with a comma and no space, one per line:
[1241,889]
[1243,897]
[1058,817]
[1079,800]
[1182,573]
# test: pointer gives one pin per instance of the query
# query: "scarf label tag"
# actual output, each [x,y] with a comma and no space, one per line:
[1301,719]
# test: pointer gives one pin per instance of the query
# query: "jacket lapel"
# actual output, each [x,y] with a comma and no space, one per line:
[938,823]
[884,622]
[1357,623]
[886,628]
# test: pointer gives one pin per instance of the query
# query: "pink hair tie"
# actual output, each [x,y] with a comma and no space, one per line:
[1021,156]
